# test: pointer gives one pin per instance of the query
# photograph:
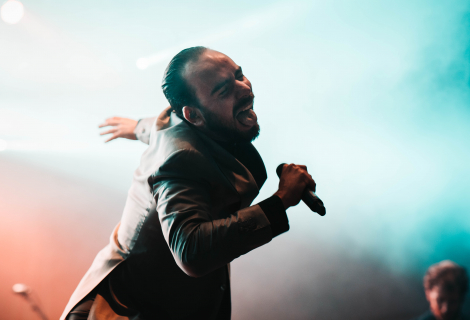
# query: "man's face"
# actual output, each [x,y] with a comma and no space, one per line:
[225,97]
[444,304]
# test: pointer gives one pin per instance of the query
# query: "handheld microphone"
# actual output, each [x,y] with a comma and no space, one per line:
[308,196]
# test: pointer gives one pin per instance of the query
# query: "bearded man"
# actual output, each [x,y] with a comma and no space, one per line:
[188,213]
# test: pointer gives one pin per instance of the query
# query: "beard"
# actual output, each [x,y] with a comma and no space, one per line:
[228,131]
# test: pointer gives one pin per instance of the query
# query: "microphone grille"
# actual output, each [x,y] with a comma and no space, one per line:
[279,169]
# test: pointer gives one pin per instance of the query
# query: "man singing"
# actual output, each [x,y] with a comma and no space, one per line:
[188,212]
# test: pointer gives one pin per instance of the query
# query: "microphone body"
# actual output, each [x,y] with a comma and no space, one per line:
[308,196]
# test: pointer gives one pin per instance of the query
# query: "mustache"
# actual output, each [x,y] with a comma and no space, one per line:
[243,102]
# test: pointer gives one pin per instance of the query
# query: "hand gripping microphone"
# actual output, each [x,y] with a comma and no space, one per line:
[308,196]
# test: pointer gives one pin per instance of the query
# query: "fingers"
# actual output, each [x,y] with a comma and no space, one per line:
[114,121]
[114,136]
[113,130]
[304,176]
[311,184]
[297,167]
[307,178]
[120,128]
[168,110]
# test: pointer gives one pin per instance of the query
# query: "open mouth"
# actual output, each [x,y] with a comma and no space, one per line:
[247,116]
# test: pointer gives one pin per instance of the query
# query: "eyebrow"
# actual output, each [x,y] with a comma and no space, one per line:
[221,84]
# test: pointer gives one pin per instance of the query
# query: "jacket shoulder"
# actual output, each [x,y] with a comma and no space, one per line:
[182,154]
[178,137]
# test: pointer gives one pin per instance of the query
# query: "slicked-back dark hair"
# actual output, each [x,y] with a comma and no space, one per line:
[175,87]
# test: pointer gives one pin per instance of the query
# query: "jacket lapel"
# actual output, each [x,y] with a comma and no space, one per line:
[236,173]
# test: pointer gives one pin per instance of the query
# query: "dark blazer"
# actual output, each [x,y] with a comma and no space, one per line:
[187,216]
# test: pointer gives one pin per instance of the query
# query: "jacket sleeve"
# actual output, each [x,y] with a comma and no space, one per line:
[199,243]
[142,129]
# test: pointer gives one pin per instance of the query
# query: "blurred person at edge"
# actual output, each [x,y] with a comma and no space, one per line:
[445,286]
[188,213]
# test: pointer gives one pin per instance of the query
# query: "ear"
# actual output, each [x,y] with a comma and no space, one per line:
[193,115]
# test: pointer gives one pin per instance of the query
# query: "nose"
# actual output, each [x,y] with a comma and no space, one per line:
[243,89]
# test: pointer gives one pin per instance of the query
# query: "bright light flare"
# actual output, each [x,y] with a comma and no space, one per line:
[12,11]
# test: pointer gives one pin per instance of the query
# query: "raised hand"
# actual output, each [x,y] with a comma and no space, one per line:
[120,128]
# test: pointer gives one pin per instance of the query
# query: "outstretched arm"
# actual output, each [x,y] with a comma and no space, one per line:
[120,128]
[135,129]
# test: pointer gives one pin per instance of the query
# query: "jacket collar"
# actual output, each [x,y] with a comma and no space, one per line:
[241,179]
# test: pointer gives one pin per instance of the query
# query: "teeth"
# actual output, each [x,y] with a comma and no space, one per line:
[248,107]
